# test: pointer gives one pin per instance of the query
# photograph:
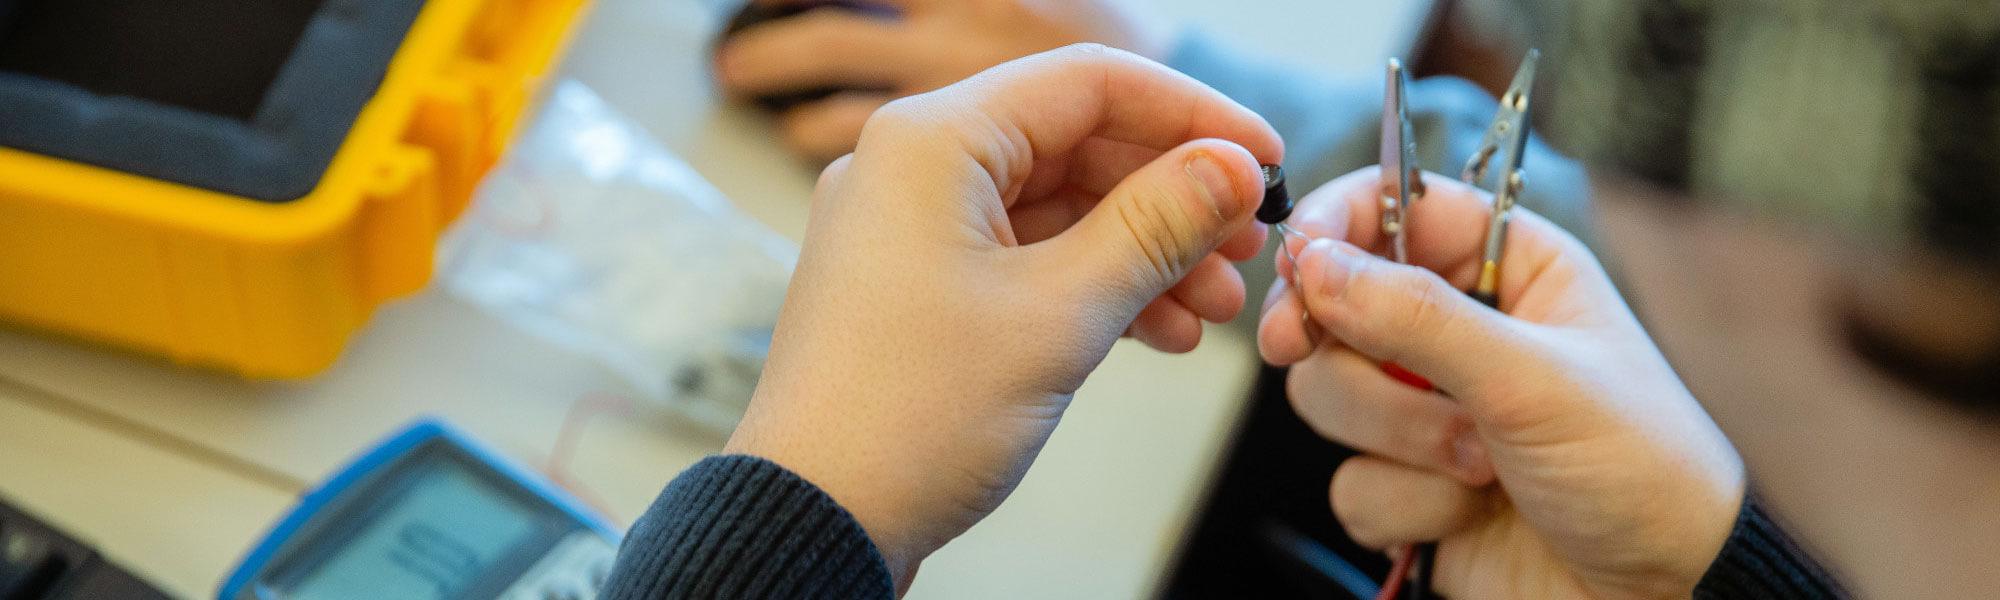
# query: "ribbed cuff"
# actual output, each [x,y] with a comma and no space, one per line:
[1761,561]
[744,527]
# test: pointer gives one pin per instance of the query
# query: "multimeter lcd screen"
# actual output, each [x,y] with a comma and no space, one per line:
[439,534]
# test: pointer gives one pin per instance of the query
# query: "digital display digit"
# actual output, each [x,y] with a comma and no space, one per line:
[443,531]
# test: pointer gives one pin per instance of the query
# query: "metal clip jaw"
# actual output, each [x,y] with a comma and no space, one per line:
[1506,142]
[1508,133]
[1402,179]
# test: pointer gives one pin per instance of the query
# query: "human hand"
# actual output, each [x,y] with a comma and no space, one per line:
[975,259]
[1560,455]
[918,46]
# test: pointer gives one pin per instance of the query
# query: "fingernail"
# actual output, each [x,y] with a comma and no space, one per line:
[1325,267]
[1215,185]
[1469,456]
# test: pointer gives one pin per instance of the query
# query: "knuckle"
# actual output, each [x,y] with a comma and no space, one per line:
[1424,444]
[1422,296]
[905,117]
[830,176]
[1089,51]
[1088,55]
[1439,444]
[1161,229]
[904,111]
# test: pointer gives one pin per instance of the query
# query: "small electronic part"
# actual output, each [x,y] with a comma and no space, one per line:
[1277,205]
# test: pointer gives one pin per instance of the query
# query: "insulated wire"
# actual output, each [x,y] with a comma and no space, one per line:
[1399,571]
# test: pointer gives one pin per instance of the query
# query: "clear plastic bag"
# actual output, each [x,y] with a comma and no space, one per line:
[594,236]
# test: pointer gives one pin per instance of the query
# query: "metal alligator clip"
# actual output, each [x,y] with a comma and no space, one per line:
[1402,178]
[1505,143]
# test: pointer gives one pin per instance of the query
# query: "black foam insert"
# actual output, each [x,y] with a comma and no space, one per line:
[245,97]
[237,45]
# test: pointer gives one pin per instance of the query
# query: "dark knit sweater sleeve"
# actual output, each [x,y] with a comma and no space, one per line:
[1761,561]
[744,527]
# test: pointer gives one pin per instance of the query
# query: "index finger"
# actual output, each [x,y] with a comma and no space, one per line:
[1041,106]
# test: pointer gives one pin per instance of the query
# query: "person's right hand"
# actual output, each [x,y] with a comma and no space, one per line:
[1560,455]
[974,260]
[927,45]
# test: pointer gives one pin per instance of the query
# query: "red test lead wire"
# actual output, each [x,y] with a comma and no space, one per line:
[1392,586]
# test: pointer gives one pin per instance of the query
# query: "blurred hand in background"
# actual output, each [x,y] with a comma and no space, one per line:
[893,48]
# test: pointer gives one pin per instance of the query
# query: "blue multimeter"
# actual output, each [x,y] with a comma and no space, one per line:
[430,514]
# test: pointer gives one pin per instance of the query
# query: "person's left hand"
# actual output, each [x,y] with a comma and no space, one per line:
[974,260]
[1558,455]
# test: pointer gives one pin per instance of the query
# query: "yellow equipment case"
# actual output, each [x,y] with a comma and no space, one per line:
[240,183]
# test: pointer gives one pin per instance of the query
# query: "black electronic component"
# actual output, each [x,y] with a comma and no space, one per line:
[1277,205]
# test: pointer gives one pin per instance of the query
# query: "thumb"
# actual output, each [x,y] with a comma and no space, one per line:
[1163,219]
[1409,316]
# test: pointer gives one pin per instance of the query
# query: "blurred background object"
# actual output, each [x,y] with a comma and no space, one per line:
[592,236]
[40,562]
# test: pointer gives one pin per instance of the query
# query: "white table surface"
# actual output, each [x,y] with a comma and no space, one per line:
[175,472]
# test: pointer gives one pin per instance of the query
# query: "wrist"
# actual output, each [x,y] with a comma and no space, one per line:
[864,493]
[1715,522]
